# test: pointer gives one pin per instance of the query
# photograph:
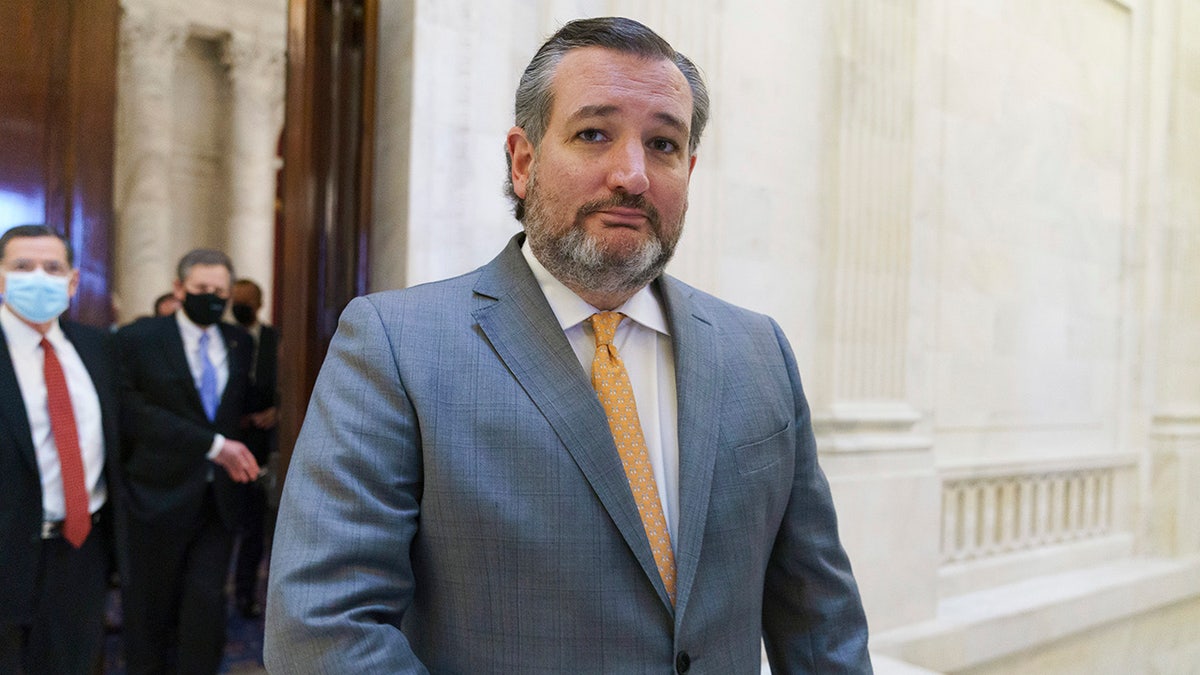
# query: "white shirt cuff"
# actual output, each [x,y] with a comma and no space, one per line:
[218,443]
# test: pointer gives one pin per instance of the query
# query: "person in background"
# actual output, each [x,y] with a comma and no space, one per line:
[258,431]
[166,304]
[184,383]
[58,467]
[566,460]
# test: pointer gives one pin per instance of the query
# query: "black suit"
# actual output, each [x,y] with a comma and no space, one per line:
[184,508]
[39,575]
[261,442]
[262,394]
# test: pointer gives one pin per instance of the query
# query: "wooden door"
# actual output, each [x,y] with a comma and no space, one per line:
[321,242]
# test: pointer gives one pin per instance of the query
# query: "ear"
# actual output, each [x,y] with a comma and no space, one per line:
[73,284]
[520,153]
[178,290]
[691,165]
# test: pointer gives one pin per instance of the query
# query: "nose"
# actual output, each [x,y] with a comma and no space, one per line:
[627,172]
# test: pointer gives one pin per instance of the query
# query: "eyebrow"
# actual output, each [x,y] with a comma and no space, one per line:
[36,261]
[589,111]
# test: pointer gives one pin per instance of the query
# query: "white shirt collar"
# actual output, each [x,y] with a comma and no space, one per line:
[644,307]
[190,330]
[23,338]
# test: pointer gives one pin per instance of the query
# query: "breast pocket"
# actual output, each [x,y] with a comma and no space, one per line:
[762,455]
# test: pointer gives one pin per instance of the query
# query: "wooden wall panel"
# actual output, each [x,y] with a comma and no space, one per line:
[57,107]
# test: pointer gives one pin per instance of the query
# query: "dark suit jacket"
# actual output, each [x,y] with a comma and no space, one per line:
[262,393]
[165,435]
[455,501]
[20,481]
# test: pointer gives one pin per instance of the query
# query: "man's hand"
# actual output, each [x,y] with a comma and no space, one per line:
[237,461]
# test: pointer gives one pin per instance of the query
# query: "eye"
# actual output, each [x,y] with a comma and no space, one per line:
[55,269]
[664,145]
[591,136]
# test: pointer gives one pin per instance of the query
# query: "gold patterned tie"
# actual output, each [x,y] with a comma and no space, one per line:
[616,395]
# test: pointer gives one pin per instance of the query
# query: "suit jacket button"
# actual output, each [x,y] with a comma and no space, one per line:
[682,663]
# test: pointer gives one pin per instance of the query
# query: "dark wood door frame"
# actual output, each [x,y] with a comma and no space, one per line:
[328,139]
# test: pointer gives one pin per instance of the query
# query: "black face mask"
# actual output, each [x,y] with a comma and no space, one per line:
[204,309]
[244,314]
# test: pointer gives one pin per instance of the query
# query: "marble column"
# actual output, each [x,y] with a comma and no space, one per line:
[867,426]
[256,76]
[149,44]
[1173,210]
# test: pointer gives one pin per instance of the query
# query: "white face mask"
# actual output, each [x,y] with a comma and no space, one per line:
[36,296]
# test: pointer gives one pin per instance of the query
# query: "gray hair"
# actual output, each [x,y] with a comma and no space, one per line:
[203,256]
[535,95]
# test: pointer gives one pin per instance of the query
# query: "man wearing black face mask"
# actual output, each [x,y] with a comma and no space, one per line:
[184,383]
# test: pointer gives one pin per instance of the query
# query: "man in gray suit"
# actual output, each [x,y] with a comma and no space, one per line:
[566,461]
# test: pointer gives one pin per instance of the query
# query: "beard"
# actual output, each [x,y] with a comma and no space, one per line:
[580,260]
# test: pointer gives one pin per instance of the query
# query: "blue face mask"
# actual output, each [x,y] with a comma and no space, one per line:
[36,296]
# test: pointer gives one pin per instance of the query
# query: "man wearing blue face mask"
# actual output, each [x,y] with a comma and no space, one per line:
[58,424]
[184,380]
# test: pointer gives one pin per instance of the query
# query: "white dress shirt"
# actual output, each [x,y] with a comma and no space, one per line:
[25,349]
[644,342]
[218,355]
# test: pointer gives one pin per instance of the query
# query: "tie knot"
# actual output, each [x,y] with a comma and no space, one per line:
[46,346]
[204,340]
[604,325]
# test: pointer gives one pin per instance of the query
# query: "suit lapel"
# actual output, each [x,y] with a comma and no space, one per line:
[698,387]
[514,315]
[176,357]
[12,407]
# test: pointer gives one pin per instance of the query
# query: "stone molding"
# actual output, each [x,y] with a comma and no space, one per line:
[975,628]
[150,34]
[869,427]
[260,64]
[1178,425]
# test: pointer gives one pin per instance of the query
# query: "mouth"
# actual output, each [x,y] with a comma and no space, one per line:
[623,217]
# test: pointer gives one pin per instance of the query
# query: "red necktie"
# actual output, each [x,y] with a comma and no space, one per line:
[66,437]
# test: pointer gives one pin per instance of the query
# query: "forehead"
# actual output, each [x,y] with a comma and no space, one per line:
[600,78]
[244,291]
[216,276]
[36,248]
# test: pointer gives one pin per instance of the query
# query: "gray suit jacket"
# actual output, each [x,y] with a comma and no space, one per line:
[455,502]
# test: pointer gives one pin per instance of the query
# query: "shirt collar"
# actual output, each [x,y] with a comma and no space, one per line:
[190,330]
[644,307]
[23,338]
